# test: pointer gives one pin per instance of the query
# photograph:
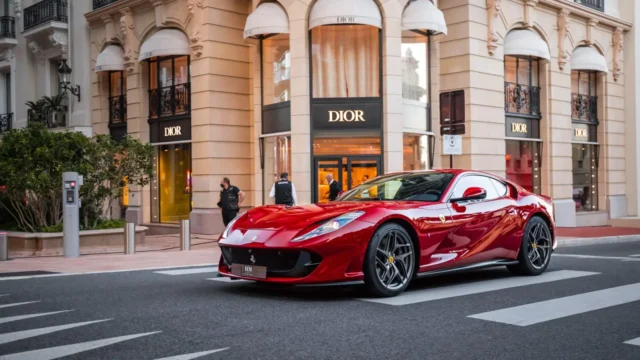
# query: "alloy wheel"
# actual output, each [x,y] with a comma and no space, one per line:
[539,245]
[394,260]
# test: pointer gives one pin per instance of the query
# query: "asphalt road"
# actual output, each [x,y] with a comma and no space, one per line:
[587,306]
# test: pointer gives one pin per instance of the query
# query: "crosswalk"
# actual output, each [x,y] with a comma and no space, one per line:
[63,350]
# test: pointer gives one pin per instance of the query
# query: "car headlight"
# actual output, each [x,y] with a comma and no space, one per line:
[229,226]
[331,225]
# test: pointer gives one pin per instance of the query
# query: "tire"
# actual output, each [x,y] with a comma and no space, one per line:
[536,227]
[398,266]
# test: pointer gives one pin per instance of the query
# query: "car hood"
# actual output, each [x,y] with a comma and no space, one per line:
[278,217]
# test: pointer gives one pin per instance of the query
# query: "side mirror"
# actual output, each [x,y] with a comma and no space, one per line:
[472,193]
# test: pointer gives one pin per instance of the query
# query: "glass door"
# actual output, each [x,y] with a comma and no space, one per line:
[348,171]
[324,167]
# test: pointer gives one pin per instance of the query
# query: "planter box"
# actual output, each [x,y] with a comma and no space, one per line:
[23,244]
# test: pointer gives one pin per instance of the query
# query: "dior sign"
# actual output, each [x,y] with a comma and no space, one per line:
[329,114]
[346,115]
[583,132]
[173,131]
[345,19]
[519,128]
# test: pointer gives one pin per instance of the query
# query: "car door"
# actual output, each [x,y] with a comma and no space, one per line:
[478,225]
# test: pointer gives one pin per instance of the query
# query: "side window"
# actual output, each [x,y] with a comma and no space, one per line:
[501,188]
[475,181]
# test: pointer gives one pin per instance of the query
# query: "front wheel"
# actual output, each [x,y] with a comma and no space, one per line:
[535,250]
[390,261]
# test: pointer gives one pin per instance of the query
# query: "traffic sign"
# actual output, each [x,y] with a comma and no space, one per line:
[452,144]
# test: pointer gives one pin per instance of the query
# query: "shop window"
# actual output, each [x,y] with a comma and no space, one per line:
[276,69]
[584,98]
[277,159]
[117,97]
[585,176]
[345,61]
[523,162]
[169,86]
[171,186]
[415,152]
[522,85]
[414,67]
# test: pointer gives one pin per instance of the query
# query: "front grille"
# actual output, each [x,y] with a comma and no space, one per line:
[279,263]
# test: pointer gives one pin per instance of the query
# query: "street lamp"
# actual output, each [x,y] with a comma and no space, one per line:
[64,72]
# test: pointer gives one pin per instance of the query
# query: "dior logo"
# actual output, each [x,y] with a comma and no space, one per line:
[346,115]
[581,133]
[346,19]
[518,128]
[172,131]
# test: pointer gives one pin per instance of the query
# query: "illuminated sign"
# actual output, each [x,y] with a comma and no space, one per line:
[346,115]
[173,131]
[519,128]
[355,114]
[580,133]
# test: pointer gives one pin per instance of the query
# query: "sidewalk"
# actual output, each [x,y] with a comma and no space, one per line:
[596,235]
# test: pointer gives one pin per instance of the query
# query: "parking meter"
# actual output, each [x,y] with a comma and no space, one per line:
[71,183]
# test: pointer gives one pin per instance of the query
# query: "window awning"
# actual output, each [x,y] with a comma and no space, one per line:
[165,42]
[110,59]
[526,43]
[334,12]
[588,58]
[267,18]
[423,15]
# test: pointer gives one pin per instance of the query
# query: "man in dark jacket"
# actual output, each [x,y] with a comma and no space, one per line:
[284,191]
[334,187]
[230,199]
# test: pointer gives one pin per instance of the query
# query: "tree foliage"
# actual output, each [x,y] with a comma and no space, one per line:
[33,159]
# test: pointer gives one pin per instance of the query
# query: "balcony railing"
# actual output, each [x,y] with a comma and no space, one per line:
[594,4]
[97,4]
[6,123]
[169,101]
[584,107]
[44,11]
[117,109]
[521,99]
[50,119]
[7,27]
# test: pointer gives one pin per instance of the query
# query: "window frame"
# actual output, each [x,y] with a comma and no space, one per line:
[456,182]
[157,60]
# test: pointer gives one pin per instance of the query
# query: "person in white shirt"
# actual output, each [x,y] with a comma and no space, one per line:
[284,191]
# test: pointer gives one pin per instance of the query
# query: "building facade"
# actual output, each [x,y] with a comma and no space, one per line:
[538,90]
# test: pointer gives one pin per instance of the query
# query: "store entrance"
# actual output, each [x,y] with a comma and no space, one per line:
[349,171]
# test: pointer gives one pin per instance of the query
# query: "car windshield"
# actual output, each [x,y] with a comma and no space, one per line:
[408,187]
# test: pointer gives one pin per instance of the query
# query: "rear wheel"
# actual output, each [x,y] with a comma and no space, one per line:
[535,250]
[390,261]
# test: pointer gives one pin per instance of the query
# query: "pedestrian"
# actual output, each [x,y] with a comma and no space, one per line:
[334,187]
[230,199]
[284,191]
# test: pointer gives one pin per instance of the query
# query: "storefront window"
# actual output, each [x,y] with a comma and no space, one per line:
[345,61]
[585,176]
[415,152]
[169,86]
[523,164]
[414,67]
[277,159]
[171,186]
[521,87]
[276,69]
[117,97]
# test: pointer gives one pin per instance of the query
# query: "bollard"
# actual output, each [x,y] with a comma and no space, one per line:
[185,235]
[130,238]
[4,245]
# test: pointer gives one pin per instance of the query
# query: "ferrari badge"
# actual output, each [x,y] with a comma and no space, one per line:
[442,218]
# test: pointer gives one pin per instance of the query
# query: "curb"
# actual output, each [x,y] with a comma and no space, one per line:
[568,242]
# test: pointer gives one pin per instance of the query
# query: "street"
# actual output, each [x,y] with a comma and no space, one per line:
[586,306]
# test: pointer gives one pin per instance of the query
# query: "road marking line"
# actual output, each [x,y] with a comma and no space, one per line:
[4,295]
[543,311]
[227,280]
[636,255]
[23,317]
[635,342]
[100,272]
[597,257]
[66,350]
[438,293]
[25,334]
[193,355]
[18,304]
[188,271]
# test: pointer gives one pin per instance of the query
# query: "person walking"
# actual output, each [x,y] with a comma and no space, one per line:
[230,199]
[334,187]
[284,191]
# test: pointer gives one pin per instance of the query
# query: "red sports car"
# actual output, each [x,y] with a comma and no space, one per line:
[392,229]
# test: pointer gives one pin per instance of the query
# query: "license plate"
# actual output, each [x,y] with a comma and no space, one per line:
[259,272]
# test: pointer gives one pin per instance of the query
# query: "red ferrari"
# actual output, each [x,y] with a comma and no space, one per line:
[392,229]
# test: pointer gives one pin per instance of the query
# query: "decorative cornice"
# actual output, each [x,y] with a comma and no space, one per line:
[130,39]
[493,11]
[587,13]
[563,32]
[195,21]
[530,12]
[618,48]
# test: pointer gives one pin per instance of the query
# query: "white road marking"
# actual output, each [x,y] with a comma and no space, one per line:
[636,255]
[18,304]
[635,342]
[4,295]
[23,317]
[25,334]
[227,280]
[189,271]
[597,257]
[66,350]
[99,272]
[542,311]
[193,355]
[431,294]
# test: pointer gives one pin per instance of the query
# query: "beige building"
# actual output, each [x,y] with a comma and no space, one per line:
[538,90]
